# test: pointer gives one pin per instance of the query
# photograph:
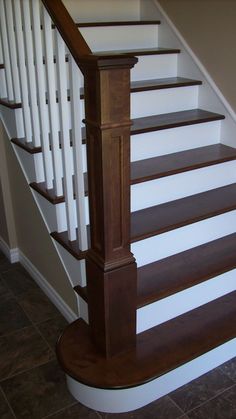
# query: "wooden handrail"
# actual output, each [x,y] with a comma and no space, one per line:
[68,29]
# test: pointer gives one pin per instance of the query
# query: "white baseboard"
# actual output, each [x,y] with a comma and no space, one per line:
[16,255]
[11,254]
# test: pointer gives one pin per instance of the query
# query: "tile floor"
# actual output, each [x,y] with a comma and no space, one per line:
[33,386]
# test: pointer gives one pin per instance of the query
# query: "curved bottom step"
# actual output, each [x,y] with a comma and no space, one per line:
[165,357]
[126,400]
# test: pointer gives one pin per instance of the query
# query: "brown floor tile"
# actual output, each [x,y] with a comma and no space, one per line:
[51,329]
[37,306]
[163,408]
[221,407]
[21,351]
[4,263]
[76,412]
[202,389]
[4,291]
[18,280]
[5,412]
[229,368]
[38,393]
[12,317]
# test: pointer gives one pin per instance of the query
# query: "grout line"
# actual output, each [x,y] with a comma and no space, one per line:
[210,399]
[44,339]
[8,403]
[27,370]
[173,401]
[60,410]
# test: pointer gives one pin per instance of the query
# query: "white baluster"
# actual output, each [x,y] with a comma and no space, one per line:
[22,70]
[31,73]
[13,54]
[75,85]
[65,136]
[6,55]
[51,83]
[43,109]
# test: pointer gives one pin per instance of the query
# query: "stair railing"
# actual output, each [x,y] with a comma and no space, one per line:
[39,41]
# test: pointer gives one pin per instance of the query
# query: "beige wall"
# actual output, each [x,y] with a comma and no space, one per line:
[209,27]
[32,236]
[3,221]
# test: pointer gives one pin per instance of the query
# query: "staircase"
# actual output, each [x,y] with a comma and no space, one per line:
[142,213]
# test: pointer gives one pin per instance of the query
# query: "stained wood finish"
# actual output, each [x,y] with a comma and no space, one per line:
[67,28]
[170,164]
[49,194]
[82,292]
[186,269]
[171,215]
[120,23]
[158,84]
[29,147]
[173,120]
[158,167]
[138,52]
[10,104]
[158,350]
[110,265]
[163,83]
[71,246]
[181,271]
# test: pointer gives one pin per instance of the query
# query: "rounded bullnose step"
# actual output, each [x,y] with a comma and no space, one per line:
[158,351]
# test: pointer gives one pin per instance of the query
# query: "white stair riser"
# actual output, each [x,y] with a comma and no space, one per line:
[184,238]
[184,301]
[166,189]
[106,10]
[111,38]
[155,102]
[173,140]
[170,188]
[163,101]
[155,67]
[125,400]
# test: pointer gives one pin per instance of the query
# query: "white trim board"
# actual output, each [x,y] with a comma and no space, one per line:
[11,254]
[199,64]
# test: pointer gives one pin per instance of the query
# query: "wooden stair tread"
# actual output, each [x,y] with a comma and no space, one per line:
[118,23]
[173,120]
[175,273]
[71,246]
[151,123]
[161,218]
[158,350]
[163,83]
[158,84]
[10,104]
[158,167]
[29,147]
[138,51]
[170,164]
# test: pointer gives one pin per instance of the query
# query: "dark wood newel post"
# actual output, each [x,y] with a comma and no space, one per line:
[110,265]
